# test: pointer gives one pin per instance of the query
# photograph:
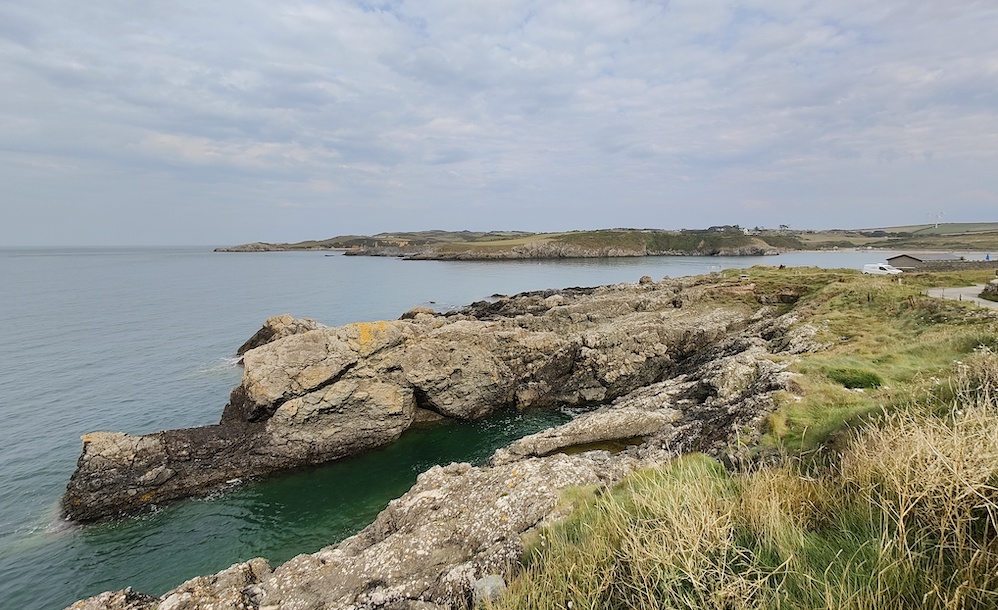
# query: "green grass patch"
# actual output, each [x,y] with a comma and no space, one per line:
[884,344]
[856,378]
[906,516]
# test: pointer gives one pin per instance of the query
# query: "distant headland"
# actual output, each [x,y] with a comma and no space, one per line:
[723,240]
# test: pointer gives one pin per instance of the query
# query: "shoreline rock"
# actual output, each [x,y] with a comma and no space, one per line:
[548,251]
[459,531]
[312,394]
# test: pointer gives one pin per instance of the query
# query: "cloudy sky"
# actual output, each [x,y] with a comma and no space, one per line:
[191,122]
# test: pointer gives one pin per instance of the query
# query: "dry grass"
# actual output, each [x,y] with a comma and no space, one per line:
[905,517]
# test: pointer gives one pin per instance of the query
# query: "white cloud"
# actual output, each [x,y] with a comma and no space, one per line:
[679,113]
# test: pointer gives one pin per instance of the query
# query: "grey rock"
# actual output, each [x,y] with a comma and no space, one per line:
[311,394]
[490,588]
[457,534]
[276,327]
[125,599]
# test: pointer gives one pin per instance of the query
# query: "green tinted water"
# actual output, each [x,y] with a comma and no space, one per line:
[275,518]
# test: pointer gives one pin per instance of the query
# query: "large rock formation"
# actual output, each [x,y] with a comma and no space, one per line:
[461,529]
[312,394]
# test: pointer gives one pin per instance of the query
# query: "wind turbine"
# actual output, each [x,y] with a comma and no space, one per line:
[939,218]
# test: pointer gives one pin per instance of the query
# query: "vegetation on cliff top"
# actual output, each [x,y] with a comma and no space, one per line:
[941,236]
[886,494]
[944,236]
[636,240]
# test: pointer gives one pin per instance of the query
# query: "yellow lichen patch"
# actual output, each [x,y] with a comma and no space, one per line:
[371,335]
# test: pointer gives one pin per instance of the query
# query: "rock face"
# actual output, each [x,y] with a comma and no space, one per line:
[277,327]
[549,250]
[457,535]
[312,394]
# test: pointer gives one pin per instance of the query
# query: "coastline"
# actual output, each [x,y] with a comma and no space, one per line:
[709,401]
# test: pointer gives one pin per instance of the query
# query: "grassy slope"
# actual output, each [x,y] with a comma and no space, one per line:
[981,236]
[899,510]
[630,239]
[638,240]
[947,236]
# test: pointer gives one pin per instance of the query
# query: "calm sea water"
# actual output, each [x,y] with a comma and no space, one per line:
[139,340]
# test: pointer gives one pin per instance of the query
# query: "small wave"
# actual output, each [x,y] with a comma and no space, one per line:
[222,490]
[60,525]
[48,526]
[574,412]
[220,365]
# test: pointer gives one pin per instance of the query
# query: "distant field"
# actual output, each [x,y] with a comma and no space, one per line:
[946,228]
[981,236]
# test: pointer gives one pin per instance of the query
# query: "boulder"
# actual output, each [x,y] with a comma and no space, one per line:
[276,327]
[457,373]
[125,599]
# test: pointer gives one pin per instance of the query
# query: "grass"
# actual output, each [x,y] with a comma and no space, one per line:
[904,516]
[856,378]
[945,236]
[890,498]
[885,343]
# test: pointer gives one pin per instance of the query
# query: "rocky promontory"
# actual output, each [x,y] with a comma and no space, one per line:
[668,367]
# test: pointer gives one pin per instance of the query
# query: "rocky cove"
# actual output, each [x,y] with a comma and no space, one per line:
[669,367]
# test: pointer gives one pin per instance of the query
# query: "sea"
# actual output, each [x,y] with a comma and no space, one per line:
[143,339]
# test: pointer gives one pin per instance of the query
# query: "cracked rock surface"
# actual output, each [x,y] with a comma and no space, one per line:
[311,394]
[666,377]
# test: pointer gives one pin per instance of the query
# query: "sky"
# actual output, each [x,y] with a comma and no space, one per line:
[189,122]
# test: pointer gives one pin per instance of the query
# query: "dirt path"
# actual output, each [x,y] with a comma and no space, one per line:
[964,293]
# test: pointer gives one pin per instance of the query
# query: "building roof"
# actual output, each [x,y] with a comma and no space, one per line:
[927,257]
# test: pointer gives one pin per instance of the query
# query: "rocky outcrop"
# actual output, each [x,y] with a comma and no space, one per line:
[257,246]
[277,327]
[311,394]
[459,532]
[533,250]
[990,291]
[550,250]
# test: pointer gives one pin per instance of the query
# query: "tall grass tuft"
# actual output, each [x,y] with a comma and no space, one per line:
[905,517]
[932,485]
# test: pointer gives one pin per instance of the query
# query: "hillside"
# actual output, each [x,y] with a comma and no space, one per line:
[468,245]
[880,492]
[981,236]
[721,240]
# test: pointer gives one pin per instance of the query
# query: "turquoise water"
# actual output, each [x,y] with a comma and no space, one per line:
[139,340]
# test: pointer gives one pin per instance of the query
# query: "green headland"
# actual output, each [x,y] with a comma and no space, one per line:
[729,240]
